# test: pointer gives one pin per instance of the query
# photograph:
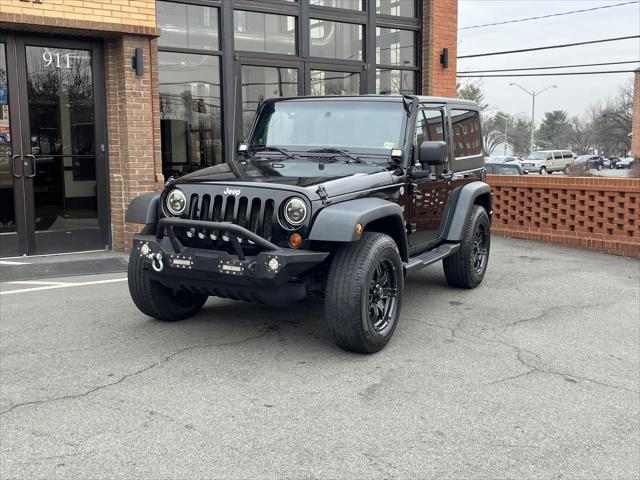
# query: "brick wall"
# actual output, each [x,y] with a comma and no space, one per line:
[131,16]
[635,128]
[133,127]
[601,214]
[440,30]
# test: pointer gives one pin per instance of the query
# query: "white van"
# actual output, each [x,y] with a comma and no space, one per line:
[547,161]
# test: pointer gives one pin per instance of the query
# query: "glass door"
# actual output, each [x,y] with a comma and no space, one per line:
[57,144]
[12,195]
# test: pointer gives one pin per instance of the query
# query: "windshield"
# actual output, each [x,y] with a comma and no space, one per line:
[348,125]
[537,156]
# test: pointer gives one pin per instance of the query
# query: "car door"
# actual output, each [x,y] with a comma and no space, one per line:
[558,163]
[428,195]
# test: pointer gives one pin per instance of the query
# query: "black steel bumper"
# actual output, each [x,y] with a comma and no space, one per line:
[268,277]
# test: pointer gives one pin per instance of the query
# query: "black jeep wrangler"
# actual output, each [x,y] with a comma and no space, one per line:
[333,196]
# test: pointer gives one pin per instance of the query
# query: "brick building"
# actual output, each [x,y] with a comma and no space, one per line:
[101,100]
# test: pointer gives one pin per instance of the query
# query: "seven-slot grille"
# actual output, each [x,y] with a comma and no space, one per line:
[254,214]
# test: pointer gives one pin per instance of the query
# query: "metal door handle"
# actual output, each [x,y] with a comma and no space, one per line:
[13,165]
[33,166]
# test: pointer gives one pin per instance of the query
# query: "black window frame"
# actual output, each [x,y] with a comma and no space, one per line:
[302,11]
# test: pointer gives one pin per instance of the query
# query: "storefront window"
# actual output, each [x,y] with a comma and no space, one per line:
[395,47]
[348,4]
[259,83]
[190,112]
[335,40]
[395,82]
[187,26]
[334,83]
[397,8]
[261,32]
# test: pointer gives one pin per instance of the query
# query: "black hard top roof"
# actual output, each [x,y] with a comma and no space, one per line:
[379,98]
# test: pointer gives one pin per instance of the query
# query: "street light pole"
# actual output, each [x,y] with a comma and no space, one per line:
[506,126]
[533,95]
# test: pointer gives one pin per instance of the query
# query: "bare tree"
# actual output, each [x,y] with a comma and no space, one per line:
[580,136]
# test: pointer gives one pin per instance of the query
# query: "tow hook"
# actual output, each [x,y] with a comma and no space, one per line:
[156,262]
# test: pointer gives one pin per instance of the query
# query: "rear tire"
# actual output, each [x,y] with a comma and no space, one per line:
[466,268]
[154,299]
[364,293]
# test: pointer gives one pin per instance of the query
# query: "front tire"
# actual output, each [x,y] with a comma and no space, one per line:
[466,268]
[154,299]
[364,293]
[543,170]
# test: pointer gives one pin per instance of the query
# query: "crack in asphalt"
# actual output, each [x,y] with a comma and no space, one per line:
[531,367]
[550,310]
[130,375]
[536,369]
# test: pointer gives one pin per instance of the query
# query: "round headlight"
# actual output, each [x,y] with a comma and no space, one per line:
[295,211]
[176,202]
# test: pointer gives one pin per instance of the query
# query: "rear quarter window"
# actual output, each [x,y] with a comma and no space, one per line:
[467,140]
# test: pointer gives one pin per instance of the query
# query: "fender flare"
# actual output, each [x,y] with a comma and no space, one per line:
[467,197]
[336,223]
[144,209]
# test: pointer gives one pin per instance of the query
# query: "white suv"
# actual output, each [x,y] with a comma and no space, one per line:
[547,161]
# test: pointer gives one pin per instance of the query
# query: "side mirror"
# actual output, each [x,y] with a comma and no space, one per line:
[433,153]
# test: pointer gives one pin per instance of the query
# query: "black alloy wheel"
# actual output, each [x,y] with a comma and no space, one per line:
[480,252]
[383,295]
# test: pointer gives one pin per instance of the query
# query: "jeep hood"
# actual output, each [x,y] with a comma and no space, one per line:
[303,176]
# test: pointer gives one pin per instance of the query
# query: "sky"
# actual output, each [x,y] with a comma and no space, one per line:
[573,93]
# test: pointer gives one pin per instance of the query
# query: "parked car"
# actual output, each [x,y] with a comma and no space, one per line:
[610,162]
[595,162]
[315,205]
[502,159]
[624,162]
[498,168]
[547,161]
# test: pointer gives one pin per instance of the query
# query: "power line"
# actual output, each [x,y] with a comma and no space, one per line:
[550,67]
[544,74]
[547,16]
[563,45]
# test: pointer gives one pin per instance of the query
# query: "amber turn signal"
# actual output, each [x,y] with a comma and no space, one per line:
[295,240]
[359,228]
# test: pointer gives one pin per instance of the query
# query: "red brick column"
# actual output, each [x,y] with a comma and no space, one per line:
[133,129]
[635,128]
[439,31]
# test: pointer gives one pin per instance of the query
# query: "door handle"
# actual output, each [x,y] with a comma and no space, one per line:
[13,166]
[33,166]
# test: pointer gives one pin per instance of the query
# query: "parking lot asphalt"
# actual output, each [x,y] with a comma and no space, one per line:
[535,374]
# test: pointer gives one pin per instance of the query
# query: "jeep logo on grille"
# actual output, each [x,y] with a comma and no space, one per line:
[230,191]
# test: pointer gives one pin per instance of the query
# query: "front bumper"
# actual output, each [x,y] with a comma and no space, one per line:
[270,276]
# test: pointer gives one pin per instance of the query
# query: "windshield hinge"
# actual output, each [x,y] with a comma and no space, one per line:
[322,193]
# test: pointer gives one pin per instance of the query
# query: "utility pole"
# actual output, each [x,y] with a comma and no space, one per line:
[533,95]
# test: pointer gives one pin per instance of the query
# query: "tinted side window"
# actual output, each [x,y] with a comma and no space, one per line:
[557,154]
[567,155]
[467,141]
[429,127]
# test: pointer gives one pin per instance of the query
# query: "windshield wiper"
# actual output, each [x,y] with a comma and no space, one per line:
[266,148]
[344,153]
